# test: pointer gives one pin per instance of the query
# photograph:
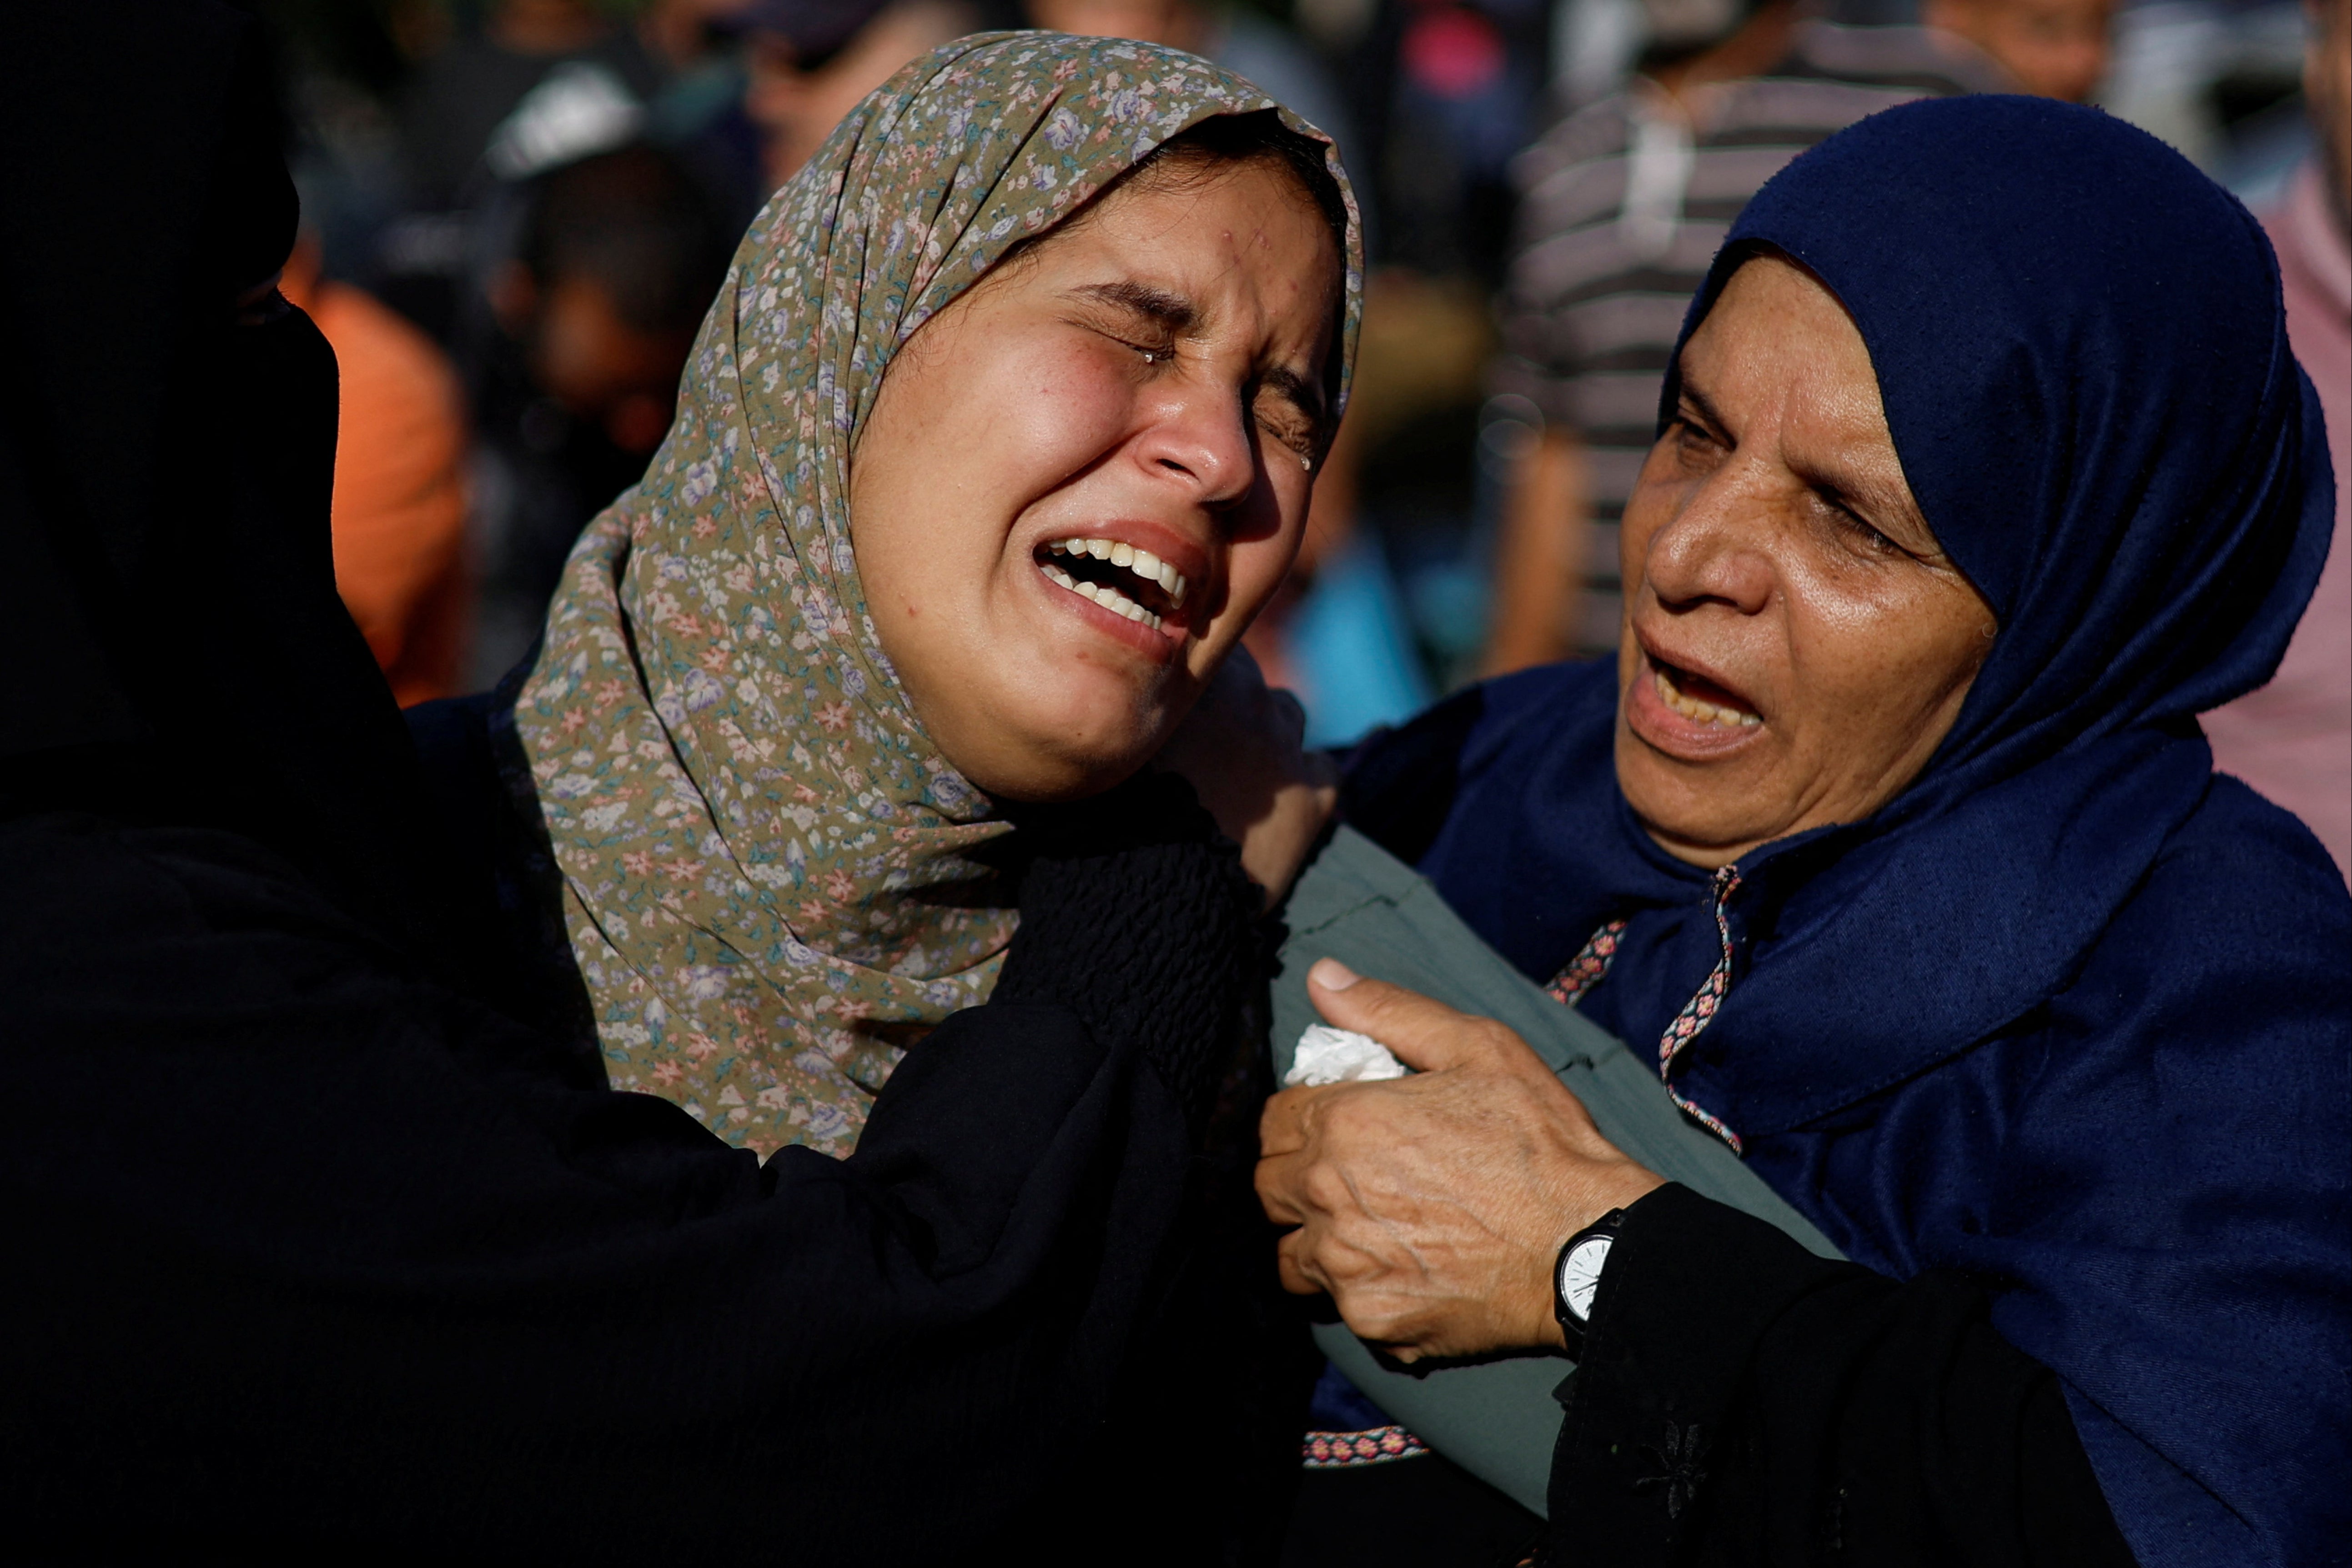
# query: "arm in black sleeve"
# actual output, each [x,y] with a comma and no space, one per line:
[1089,944]
[1743,1401]
[296,1270]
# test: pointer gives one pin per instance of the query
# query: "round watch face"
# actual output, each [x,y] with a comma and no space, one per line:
[1580,1274]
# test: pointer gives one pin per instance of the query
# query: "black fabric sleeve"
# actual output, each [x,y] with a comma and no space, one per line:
[296,1266]
[1743,1401]
[1089,944]
[1203,1433]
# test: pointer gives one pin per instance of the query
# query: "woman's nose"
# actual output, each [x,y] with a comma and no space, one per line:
[1199,434]
[1716,546]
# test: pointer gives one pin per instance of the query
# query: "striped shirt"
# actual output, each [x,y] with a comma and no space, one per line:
[1624,205]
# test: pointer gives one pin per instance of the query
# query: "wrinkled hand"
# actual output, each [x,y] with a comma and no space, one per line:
[1240,748]
[1432,1206]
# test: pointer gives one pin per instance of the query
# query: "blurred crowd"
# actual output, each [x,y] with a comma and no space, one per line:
[517,211]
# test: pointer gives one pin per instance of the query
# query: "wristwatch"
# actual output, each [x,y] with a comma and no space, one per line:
[1576,1276]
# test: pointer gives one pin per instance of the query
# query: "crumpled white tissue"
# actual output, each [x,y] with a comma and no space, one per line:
[1328,1055]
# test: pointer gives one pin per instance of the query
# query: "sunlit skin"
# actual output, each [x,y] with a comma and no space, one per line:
[1178,24]
[1153,375]
[1777,566]
[2054,48]
[1430,1207]
[1774,556]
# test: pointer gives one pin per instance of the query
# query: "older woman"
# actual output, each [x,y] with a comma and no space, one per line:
[331,1236]
[1891,840]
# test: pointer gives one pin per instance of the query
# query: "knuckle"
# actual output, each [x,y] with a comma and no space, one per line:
[1324,1189]
[1494,1037]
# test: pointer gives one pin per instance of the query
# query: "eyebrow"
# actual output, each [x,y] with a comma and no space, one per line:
[1697,400]
[1172,311]
[1875,503]
[1303,394]
[1175,314]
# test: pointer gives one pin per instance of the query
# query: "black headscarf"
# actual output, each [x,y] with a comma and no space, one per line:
[171,648]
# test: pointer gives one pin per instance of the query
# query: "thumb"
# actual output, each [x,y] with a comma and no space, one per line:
[1424,1033]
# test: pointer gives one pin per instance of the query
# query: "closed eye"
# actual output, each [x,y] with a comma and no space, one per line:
[1289,408]
[1289,424]
[1690,429]
[1150,353]
[1696,437]
[1147,320]
[1859,527]
[1139,335]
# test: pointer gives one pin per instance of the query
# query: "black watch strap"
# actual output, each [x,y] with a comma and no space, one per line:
[1571,1321]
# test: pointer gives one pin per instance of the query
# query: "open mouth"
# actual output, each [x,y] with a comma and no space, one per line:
[1118,576]
[1696,698]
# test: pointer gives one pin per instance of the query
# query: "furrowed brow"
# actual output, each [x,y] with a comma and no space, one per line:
[1172,312]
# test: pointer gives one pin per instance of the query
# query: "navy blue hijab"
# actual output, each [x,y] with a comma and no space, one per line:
[2069,1013]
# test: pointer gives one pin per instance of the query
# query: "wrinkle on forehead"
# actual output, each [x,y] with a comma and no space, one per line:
[1778,327]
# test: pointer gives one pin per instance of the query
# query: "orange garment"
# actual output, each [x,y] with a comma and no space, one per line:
[400,489]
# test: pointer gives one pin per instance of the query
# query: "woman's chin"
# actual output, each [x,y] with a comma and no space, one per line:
[1709,817]
[1062,751]
[1045,787]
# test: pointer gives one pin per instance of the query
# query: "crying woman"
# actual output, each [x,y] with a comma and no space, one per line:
[851,802]
[1001,431]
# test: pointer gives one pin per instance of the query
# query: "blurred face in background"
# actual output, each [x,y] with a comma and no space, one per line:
[596,365]
[619,257]
[547,27]
[1177,24]
[796,103]
[2055,49]
[2327,90]
[1083,479]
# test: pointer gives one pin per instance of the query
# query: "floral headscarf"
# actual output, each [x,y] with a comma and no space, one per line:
[769,878]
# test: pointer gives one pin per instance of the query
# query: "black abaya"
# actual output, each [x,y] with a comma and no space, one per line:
[312,1251]
[318,1246]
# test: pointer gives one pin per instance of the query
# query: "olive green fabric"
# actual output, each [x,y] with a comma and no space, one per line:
[1360,904]
[770,882]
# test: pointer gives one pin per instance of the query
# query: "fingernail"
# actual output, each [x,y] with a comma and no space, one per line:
[1332,975]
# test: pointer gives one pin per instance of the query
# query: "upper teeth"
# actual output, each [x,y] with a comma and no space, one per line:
[1705,713]
[1120,553]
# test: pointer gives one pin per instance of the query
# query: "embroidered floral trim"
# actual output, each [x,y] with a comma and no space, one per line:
[1699,1011]
[1680,1472]
[1353,1450]
[1585,970]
